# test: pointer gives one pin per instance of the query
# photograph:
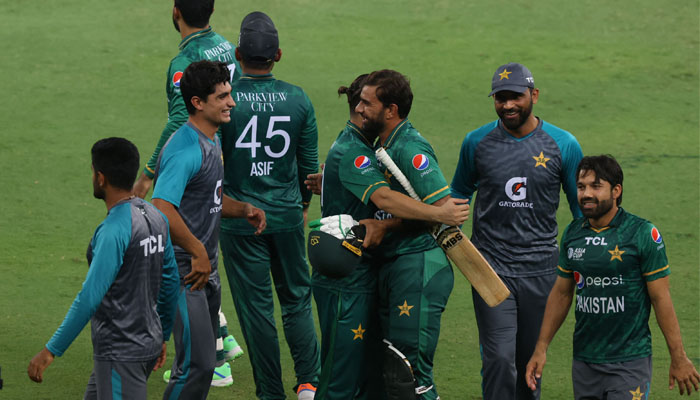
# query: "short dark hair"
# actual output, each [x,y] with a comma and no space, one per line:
[118,160]
[200,79]
[196,13]
[392,88]
[353,91]
[605,168]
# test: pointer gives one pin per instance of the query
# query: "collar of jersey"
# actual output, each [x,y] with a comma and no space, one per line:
[617,219]
[257,77]
[397,130]
[358,132]
[193,36]
[508,134]
[200,133]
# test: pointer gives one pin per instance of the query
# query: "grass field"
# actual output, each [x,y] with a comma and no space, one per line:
[622,76]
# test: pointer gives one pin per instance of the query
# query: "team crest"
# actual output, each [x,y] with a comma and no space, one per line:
[420,162]
[176,79]
[362,162]
[578,278]
[656,235]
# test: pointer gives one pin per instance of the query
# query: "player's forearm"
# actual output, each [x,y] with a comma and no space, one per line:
[233,208]
[666,316]
[558,304]
[402,206]
[179,233]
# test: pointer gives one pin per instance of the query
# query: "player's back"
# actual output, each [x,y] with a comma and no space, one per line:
[126,325]
[269,145]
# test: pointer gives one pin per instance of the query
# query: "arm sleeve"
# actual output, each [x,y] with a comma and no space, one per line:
[360,182]
[465,180]
[177,112]
[571,155]
[418,162]
[307,151]
[109,245]
[652,250]
[169,290]
[179,163]
[563,269]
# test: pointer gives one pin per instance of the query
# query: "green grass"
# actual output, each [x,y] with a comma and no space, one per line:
[622,76]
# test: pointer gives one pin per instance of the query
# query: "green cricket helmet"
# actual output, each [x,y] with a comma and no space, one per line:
[333,257]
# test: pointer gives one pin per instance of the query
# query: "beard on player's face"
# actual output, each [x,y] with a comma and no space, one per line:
[373,126]
[595,208]
[514,117]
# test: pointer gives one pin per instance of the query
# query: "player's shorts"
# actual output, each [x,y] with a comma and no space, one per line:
[614,381]
[116,380]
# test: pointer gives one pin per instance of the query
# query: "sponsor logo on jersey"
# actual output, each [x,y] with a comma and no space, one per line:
[655,235]
[600,305]
[576,254]
[362,162]
[596,241]
[515,188]
[420,162]
[578,278]
[218,195]
[176,79]
[152,245]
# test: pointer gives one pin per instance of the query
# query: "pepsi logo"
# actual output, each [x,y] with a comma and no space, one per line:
[655,235]
[362,162]
[580,282]
[176,78]
[420,162]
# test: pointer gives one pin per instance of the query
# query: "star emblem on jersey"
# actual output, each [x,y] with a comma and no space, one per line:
[358,332]
[541,160]
[636,394]
[616,254]
[504,74]
[405,309]
[387,176]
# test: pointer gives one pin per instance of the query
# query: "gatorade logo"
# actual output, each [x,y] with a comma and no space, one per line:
[420,162]
[362,162]
[176,79]
[515,188]
[655,235]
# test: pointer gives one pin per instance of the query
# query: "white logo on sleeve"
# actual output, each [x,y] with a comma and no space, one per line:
[218,195]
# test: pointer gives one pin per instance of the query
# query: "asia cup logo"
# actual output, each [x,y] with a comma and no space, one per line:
[420,162]
[578,278]
[655,235]
[176,79]
[218,192]
[362,162]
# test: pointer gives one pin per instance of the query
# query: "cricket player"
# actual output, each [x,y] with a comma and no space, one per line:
[188,189]
[353,185]
[616,264]
[415,279]
[518,164]
[199,42]
[269,146]
[130,290]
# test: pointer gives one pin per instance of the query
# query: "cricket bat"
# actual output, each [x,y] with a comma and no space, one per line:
[457,246]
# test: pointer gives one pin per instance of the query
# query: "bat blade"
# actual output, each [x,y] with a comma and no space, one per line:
[472,265]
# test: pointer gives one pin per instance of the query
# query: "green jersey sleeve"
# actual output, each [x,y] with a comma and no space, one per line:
[307,151]
[359,174]
[652,250]
[563,268]
[419,164]
[177,112]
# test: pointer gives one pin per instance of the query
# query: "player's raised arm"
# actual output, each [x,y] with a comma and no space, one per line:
[681,369]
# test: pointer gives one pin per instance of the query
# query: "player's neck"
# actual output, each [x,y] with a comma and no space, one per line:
[114,196]
[186,30]
[390,126]
[255,71]
[524,129]
[204,125]
[605,219]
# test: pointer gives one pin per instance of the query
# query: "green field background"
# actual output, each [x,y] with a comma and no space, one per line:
[622,76]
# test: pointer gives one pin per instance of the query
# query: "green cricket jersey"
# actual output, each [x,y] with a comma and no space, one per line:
[201,45]
[611,267]
[269,147]
[350,176]
[416,159]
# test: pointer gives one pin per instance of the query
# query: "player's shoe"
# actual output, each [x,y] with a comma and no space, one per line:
[222,376]
[231,348]
[306,391]
[166,376]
